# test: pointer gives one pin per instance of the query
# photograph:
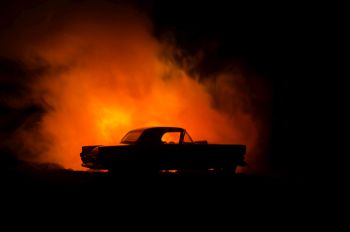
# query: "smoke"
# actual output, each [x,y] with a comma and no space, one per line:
[95,71]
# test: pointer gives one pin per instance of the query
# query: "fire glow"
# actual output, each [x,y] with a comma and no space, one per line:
[108,76]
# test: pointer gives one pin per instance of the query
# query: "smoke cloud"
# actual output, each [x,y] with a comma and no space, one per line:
[87,74]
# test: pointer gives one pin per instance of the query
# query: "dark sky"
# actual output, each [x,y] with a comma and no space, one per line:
[297,47]
[290,46]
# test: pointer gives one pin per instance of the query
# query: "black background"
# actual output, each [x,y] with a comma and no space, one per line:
[296,47]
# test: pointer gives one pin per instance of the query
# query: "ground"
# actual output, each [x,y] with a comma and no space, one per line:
[82,196]
[54,178]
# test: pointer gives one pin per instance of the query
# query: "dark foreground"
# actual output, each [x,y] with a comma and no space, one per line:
[53,179]
[48,190]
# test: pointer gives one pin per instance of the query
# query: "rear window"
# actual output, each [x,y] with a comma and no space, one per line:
[187,138]
[131,137]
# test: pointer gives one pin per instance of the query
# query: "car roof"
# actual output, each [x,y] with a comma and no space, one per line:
[163,128]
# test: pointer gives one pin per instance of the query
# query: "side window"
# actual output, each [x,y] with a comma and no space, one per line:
[187,138]
[171,137]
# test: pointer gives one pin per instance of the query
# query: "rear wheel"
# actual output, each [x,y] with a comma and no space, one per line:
[227,171]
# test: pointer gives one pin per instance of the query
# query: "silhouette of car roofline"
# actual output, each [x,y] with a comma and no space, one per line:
[167,128]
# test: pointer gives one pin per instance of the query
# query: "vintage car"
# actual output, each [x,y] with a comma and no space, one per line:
[157,149]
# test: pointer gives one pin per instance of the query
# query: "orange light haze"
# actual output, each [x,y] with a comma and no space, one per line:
[109,75]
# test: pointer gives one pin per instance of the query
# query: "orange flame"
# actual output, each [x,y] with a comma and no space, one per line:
[108,76]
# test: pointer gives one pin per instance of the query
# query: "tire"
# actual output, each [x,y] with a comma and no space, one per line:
[133,172]
[227,171]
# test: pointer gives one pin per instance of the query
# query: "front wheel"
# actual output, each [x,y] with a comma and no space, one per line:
[135,172]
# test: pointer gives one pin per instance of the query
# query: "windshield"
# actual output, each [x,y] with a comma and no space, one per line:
[131,137]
